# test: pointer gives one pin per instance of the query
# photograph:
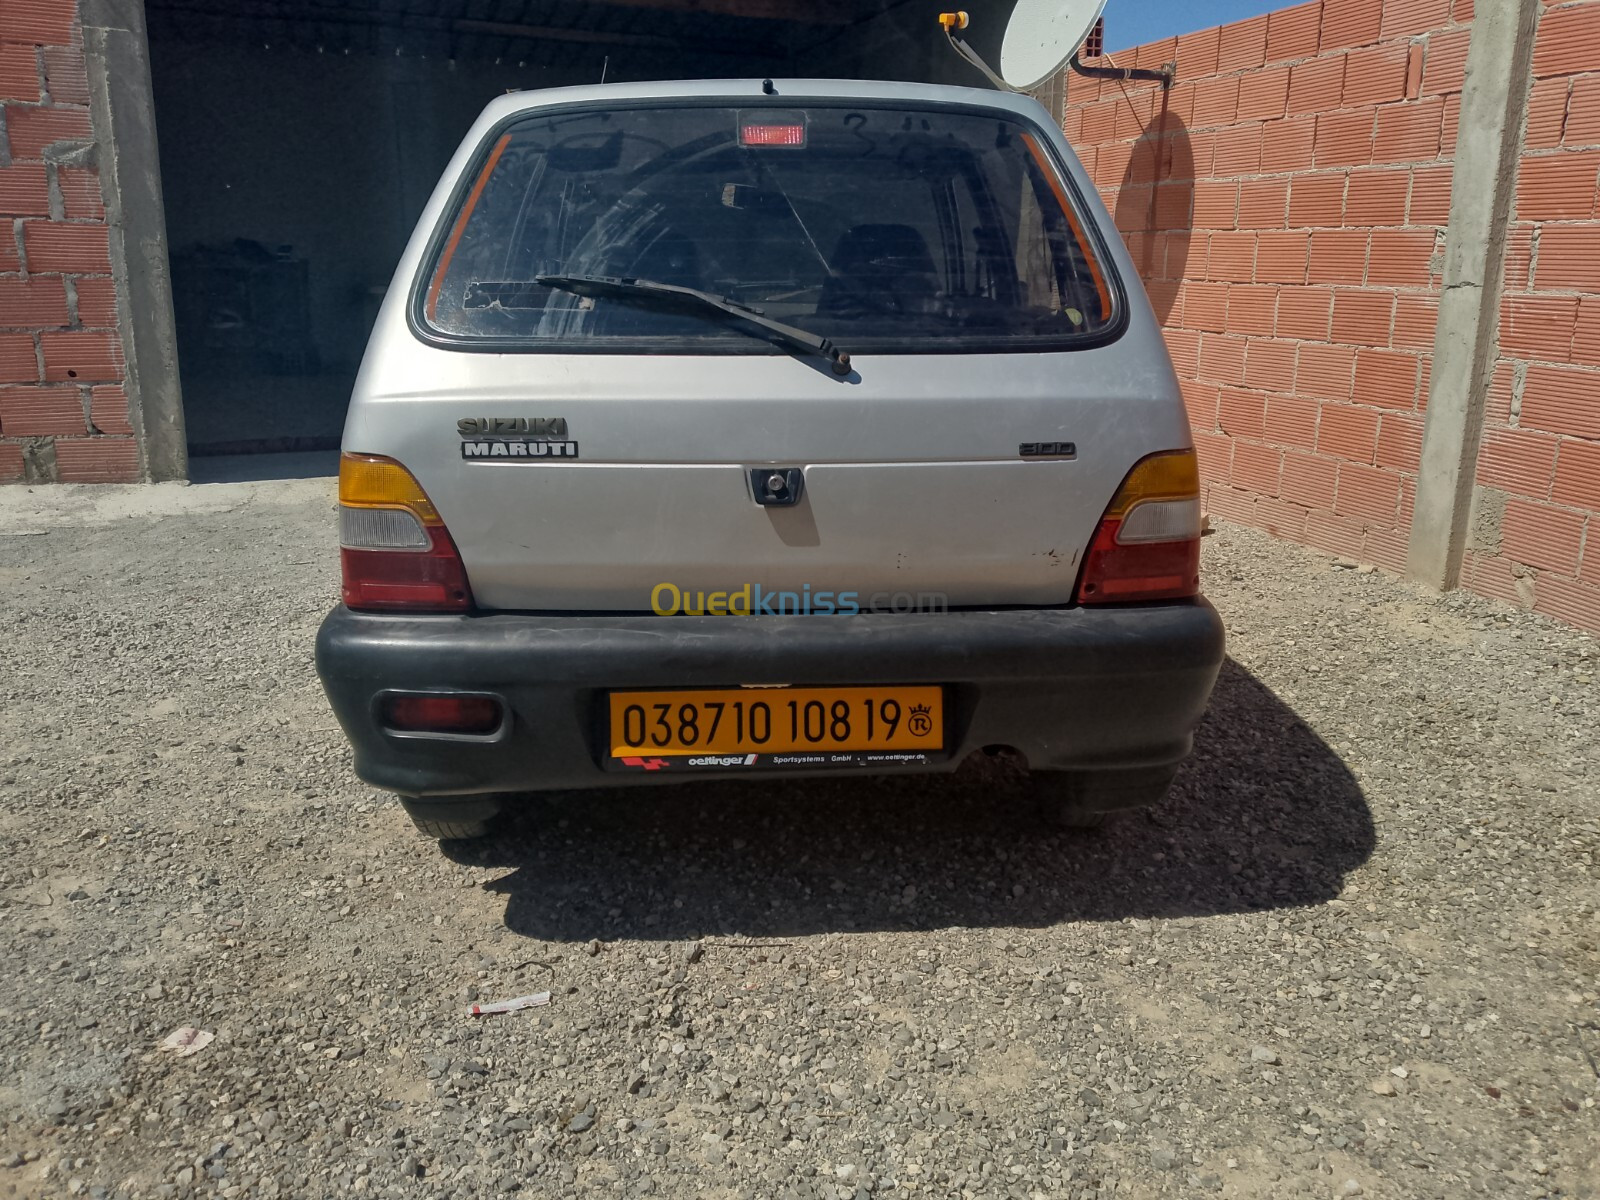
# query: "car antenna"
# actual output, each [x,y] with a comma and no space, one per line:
[768,88]
[603,67]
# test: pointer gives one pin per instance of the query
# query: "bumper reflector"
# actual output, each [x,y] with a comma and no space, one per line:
[431,712]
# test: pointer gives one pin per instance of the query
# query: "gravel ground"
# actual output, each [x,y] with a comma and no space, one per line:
[1354,953]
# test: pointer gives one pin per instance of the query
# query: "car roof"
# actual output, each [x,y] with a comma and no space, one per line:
[752,90]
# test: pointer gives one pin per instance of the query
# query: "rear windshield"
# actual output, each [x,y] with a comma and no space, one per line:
[885,228]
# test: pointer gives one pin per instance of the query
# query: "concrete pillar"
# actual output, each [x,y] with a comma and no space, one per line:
[1494,105]
[1052,93]
[123,109]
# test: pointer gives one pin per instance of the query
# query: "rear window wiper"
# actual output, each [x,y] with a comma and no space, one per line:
[691,299]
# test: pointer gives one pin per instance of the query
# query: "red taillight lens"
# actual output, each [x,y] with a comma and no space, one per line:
[1158,571]
[424,713]
[432,580]
[396,553]
[1147,546]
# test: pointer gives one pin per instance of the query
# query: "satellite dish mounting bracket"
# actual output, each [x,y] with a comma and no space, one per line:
[1162,75]
[952,21]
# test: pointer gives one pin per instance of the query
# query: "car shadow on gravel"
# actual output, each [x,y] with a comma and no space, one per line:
[1265,815]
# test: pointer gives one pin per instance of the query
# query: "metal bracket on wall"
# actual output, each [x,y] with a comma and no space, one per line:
[1162,75]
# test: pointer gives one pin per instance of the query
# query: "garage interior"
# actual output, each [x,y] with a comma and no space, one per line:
[299,142]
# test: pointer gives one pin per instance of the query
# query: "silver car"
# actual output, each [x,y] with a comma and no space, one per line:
[781,427]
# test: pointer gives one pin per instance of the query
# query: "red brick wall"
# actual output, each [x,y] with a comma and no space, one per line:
[1541,450]
[63,408]
[1285,202]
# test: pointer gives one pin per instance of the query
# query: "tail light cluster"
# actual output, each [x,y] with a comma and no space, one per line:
[396,554]
[1147,546]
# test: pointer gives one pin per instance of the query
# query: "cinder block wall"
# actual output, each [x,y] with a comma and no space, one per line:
[63,409]
[1287,202]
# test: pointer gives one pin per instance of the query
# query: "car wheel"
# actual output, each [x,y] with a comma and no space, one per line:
[452,820]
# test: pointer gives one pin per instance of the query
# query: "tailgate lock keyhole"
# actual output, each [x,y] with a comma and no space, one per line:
[777,485]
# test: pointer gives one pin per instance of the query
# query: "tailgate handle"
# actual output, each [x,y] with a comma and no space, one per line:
[777,486]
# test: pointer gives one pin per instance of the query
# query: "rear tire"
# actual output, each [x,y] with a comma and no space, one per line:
[461,820]
[1085,799]
[451,831]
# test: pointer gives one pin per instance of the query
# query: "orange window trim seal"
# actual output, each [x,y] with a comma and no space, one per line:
[1049,172]
[461,224]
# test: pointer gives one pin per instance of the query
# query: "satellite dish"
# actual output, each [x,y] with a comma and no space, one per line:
[1042,37]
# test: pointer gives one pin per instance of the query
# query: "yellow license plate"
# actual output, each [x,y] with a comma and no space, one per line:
[791,726]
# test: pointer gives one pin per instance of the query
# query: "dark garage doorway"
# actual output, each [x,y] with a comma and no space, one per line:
[300,141]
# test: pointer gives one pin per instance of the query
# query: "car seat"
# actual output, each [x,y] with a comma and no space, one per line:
[880,268]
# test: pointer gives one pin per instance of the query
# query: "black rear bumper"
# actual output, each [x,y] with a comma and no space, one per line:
[1071,689]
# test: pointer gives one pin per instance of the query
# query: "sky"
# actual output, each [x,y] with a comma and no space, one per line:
[1134,22]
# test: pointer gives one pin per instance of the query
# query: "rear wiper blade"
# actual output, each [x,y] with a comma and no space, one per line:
[694,300]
